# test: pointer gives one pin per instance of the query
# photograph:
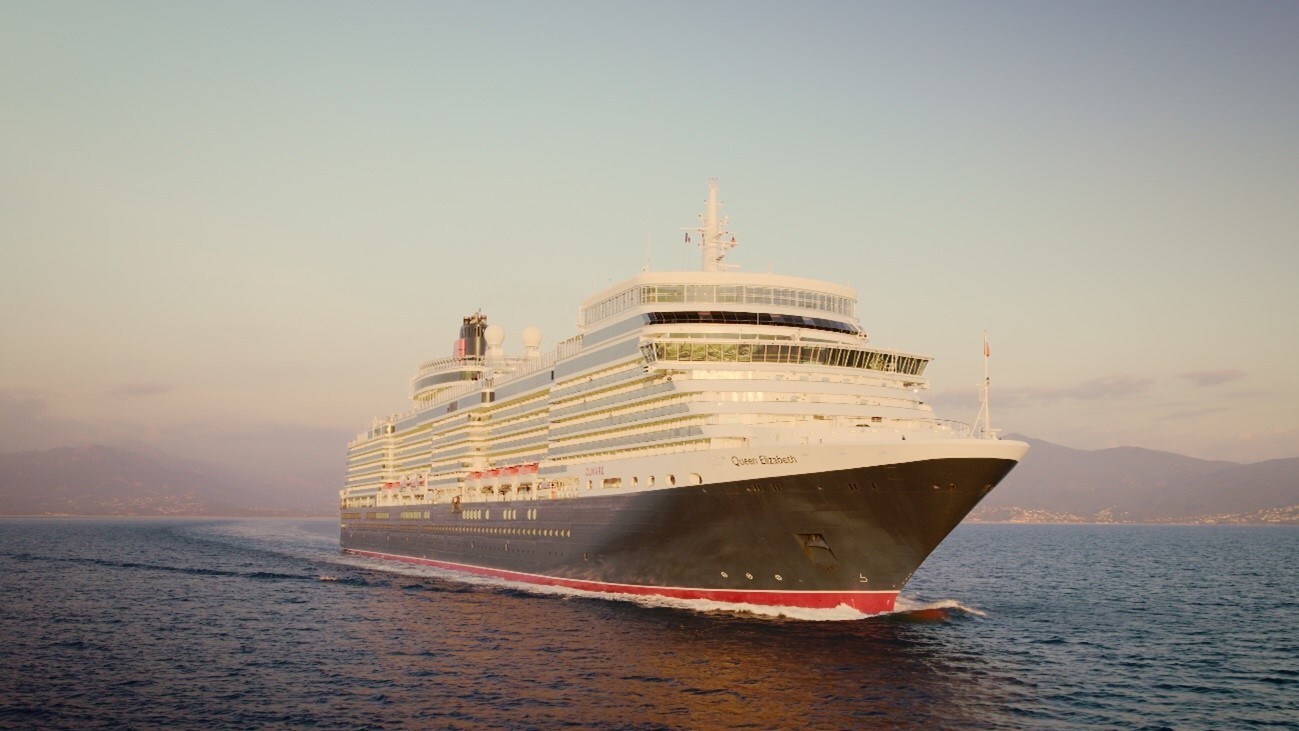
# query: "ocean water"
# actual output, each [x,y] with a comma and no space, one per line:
[255,624]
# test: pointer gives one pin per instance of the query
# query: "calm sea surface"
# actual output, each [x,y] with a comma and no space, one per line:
[135,623]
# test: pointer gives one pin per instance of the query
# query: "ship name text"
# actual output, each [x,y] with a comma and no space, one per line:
[764,459]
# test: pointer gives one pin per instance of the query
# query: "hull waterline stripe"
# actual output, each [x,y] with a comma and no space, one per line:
[871,602]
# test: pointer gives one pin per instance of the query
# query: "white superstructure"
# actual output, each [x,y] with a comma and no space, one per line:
[674,378]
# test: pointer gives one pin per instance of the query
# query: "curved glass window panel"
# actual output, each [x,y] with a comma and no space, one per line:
[749,318]
[671,293]
[700,352]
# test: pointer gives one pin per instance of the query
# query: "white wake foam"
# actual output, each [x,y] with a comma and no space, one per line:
[907,605]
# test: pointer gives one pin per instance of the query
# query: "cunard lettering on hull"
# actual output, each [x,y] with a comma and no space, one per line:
[708,434]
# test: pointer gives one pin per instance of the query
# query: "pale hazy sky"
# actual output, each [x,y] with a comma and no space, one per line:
[233,230]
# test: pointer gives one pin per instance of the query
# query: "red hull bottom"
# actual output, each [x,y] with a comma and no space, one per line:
[866,602]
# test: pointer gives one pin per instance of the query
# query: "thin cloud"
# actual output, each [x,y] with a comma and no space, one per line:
[1095,389]
[1193,413]
[27,422]
[141,390]
[20,405]
[1114,386]
[1213,378]
[953,398]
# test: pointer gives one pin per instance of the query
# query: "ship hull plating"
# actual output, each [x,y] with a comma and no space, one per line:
[818,540]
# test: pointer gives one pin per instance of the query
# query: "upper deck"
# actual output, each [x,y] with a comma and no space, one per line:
[719,290]
[664,363]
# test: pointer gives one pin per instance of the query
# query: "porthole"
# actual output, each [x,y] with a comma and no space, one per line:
[725,575]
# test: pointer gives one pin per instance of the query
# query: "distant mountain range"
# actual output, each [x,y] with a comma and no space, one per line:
[1135,485]
[1053,484]
[99,480]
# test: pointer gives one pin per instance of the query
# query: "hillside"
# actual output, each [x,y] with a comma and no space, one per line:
[99,480]
[1053,484]
[1130,484]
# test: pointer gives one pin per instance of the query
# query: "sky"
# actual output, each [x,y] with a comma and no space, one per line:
[232,231]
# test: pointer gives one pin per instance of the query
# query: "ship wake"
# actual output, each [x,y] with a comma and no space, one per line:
[907,609]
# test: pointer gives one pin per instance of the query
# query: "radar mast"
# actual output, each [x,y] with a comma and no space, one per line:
[714,239]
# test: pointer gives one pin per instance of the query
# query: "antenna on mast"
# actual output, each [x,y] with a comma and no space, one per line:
[714,239]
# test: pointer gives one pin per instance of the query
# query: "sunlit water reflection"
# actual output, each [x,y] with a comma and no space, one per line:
[263,623]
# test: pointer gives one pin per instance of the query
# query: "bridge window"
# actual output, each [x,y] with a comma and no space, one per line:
[780,353]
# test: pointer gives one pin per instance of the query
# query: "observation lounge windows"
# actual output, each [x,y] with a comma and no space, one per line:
[665,293]
[726,317]
[705,294]
[701,293]
[694,352]
[730,294]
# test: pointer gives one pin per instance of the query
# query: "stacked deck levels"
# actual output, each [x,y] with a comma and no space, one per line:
[709,434]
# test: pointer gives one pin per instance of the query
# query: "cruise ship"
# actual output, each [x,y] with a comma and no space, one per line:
[712,434]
